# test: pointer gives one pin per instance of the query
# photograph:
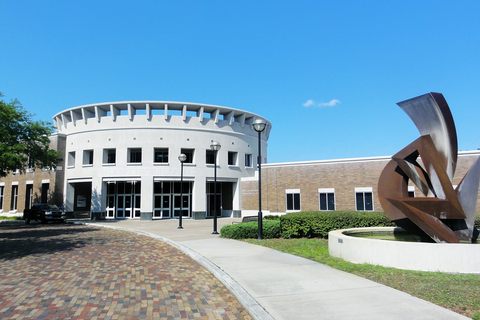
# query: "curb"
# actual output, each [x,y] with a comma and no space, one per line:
[255,310]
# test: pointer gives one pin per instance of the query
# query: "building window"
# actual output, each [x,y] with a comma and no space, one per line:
[293,200]
[87,157]
[160,155]
[109,156]
[2,192]
[248,160]
[232,158]
[14,199]
[31,165]
[327,198]
[411,191]
[364,199]
[189,153]
[134,155]
[210,157]
[71,159]
[45,189]
[28,196]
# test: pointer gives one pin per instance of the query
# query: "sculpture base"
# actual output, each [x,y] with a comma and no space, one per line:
[419,256]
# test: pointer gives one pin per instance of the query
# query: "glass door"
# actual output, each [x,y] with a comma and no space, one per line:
[177,205]
[162,206]
[110,206]
[128,206]
[120,206]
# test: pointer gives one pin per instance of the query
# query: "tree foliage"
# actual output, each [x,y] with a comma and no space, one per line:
[24,143]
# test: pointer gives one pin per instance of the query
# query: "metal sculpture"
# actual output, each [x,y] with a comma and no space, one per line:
[445,213]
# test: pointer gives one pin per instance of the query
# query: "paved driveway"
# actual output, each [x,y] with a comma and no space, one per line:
[60,271]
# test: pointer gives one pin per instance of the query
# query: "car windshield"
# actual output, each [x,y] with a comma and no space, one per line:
[48,207]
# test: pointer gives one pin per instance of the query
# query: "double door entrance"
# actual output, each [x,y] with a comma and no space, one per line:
[172,198]
[123,199]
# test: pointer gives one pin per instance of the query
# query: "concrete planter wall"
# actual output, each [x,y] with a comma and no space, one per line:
[443,257]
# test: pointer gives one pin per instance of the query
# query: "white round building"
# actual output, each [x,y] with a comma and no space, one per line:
[121,158]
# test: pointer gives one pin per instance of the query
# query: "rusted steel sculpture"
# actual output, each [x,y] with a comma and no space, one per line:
[445,213]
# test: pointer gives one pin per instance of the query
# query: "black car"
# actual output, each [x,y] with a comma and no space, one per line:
[44,212]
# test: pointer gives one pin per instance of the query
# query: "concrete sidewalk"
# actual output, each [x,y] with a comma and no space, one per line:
[271,284]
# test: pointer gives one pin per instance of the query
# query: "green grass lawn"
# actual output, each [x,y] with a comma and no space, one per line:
[457,292]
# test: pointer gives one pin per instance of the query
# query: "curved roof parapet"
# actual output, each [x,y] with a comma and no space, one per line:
[149,108]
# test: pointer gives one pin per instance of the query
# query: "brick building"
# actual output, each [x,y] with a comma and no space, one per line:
[344,184]
[19,191]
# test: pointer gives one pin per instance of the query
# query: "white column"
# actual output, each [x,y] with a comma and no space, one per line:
[147,194]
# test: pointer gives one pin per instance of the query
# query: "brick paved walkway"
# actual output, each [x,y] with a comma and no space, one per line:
[59,271]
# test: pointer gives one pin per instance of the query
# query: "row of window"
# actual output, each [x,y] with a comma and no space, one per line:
[326,199]
[29,196]
[160,155]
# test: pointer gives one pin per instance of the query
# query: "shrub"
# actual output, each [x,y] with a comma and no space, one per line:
[317,224]
[271,217]
[10,218]
[249,230]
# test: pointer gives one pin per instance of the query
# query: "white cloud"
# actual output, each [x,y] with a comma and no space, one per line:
[331,103]
[309,103]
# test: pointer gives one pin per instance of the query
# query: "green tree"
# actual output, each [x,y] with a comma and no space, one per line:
[24,143]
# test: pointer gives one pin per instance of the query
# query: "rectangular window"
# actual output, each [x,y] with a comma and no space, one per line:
[109,156]
[14,198]
[2,192]
[31,165]
[248,160]
[232,158]
[327,198]
[210,157]
[28,196]
[160,155]
[411,191]
[293,200]
[134,155]
[364,199]
[71,159]
[189,153]
[45,189]
[87,157]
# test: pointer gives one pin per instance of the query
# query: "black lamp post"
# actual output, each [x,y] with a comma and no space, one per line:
[259,125]
[215,146]
[182,157]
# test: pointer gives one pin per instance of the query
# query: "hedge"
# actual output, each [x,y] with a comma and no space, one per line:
[317,224]
[10,218]
[310,224]
[249,230]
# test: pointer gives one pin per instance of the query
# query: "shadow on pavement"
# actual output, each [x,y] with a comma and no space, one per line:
[20,240]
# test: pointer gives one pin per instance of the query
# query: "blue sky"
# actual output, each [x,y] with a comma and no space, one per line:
[327,74]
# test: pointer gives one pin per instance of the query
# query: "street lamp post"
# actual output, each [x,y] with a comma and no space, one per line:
[259,125]
[215,146]
[182,157]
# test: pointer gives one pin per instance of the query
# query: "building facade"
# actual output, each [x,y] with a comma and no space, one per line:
[120,161]
[122,158]
[19,191]
[343,184]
